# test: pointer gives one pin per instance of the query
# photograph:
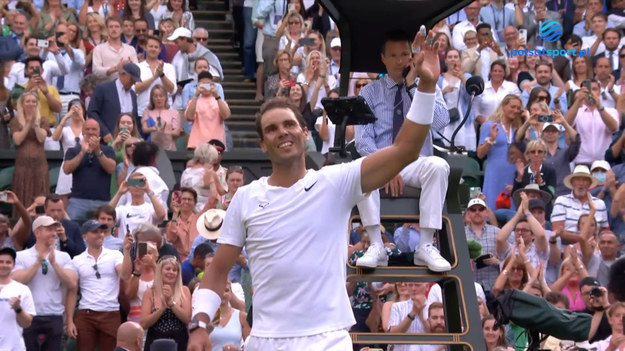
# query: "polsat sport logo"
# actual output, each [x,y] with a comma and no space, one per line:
[550,31]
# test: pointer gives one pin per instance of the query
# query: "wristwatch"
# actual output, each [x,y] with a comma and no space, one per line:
[151,193]
[136,274]
[411,317]
[197,324]
[101,153]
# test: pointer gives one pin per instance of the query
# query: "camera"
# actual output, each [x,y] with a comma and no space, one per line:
[596,292]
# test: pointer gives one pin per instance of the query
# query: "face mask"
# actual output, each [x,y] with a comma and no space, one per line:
[600,177]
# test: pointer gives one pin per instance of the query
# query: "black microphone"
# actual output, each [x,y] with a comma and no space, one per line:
[474,87]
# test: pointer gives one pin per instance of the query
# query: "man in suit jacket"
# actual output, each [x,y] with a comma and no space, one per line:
[612,41]
[129,337]
[110,99]
[472,59]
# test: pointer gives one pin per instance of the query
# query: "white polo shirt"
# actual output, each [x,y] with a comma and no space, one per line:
[99,294]
[47,290]
[296,242]
[133,216]
[11,335]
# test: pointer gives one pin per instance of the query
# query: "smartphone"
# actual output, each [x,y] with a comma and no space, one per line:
[474,191]
[3,197]
[523,36]
[545,118]
[159,121]
[134,182]
[40,210]
[142,249]
[586,83]
[479,262]
[176,197]
[206,86]
[291,7]
[424,33]
[292,83]
[306,42]
[43,43]
[123,129]
[36,70]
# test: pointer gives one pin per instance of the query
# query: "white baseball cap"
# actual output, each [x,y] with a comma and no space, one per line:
[180,32]
[335,42]
[600,164]
[476,201]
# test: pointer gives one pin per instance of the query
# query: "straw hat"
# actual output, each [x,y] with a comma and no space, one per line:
[210,222]
[580,171]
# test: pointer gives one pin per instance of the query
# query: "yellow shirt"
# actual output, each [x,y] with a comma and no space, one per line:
[44,108]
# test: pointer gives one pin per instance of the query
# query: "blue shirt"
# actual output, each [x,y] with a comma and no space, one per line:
[90,172]
[188,272]
[525,96]
[272,12]
[406,239]
[380,96]
[498,18]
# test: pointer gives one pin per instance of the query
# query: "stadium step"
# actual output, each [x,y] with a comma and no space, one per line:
[239,94]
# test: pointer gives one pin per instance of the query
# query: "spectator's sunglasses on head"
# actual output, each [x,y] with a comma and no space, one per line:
[129,145]
[167,258]
[542,97]
[97,273]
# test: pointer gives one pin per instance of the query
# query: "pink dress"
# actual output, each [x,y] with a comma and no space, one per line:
[207,124]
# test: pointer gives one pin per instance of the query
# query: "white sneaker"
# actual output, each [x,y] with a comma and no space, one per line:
[428,255]
[374,257]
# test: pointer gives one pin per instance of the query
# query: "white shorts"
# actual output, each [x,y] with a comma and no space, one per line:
[337,340]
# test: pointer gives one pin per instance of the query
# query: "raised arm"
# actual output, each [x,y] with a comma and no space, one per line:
[380,167]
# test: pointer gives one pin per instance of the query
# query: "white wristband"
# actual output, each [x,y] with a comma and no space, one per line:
[422,108]
[205,301]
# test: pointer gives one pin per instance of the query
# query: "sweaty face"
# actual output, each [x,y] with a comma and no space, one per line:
[283,138]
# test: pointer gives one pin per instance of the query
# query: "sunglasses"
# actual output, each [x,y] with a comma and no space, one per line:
[534,152]
[294,23]
[131,145]
[517,268]
[477,209]
[621,55]
[201,39]
[97,273]
[44,267]
[360,85]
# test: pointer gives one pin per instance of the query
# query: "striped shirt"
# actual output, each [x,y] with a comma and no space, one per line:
[380,96]
[568,209]
[487,275]
[399,311]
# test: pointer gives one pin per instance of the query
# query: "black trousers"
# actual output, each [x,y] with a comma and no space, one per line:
[46,331]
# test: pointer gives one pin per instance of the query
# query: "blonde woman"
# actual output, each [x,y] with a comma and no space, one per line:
[201,177]
[316,76]
[534,170]
[232,328]
[29,131]
[496,135]
[95,34]
[166,307]
[141,281]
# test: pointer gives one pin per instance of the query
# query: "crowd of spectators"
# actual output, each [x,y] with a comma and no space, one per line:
[111,83]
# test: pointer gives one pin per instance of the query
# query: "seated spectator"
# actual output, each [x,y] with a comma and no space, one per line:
[536,170]
[109,57]
[278,83]
[130,216]
[207,110]
[178,11]
[105,214]
[516,271]
[406,237]
[166,307]
[494,334]
[90,162]
[495,90]
[130,336]
[495,136]
[616,341]
[217,167]
[16,237]
[29,130]
[141,281]
[452,84]
[160,120]
[572,272]
[232,328]
[196,263]
[568,209]
[144,160]
[202,178]
[70,136]
[477,60]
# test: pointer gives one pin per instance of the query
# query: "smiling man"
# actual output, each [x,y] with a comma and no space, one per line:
[298,259]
